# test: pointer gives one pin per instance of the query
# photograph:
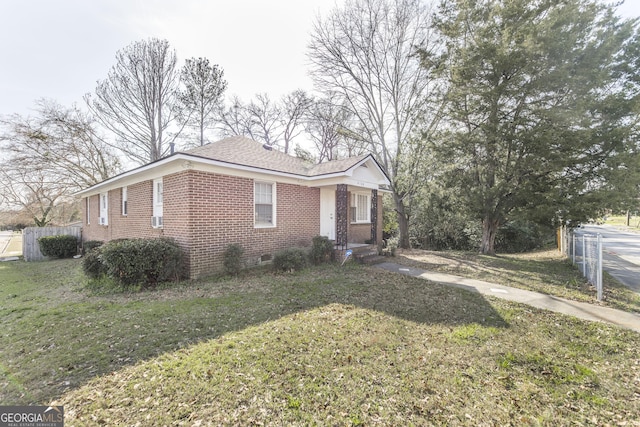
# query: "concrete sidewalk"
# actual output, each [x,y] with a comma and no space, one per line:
[546,302]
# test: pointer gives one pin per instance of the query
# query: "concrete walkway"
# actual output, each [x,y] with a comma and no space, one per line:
[546,302]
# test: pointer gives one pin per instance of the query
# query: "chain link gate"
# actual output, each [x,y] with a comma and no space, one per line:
[585,250]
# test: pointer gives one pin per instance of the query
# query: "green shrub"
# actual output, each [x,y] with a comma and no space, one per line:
[321,250]
[143,262]
[391,245]
[61,246]
[291,259]
[233,259]
[92,264]
[519,236]
[90,245]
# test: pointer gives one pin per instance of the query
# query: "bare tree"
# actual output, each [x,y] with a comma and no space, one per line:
[137,101]
[48,157]
[328,125]
[34,190]
[294,107]
[63,139]
[204,85]
[234,120]
[365,54]
[265,116]
[259,119]
[262,119]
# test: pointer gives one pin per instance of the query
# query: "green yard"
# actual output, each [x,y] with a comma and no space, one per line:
[330,345]
[621,222]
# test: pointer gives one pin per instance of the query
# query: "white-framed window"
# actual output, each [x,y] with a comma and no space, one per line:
[158,200]
[264,201]
[360,207]
[125,207]
[157,192]
[104,209]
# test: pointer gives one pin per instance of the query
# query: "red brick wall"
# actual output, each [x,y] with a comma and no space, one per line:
[222,213]
[137,223]
[205,213]
[176,210]
[91,230]
[359,233]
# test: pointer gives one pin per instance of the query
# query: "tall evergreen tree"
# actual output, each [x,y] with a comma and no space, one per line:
[541,106]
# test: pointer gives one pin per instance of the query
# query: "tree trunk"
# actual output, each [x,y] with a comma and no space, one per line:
[403,222]
[44,219]
[489,230]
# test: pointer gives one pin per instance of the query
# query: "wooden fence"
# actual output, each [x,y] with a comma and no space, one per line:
[30,236]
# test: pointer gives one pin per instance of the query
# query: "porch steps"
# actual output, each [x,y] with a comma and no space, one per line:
[363,254]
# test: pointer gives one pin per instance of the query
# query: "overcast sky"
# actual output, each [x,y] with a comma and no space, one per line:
[58,49]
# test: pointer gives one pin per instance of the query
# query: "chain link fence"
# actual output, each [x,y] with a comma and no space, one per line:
[585,250]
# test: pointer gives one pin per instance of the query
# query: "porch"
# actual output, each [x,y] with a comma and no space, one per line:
[363,253]
[351,217]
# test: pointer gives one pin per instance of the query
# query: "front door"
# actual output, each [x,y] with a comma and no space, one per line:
[328,213]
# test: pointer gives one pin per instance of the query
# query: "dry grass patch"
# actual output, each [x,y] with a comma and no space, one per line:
[620,222]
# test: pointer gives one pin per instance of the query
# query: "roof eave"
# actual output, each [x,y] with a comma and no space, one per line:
[179,156]
[140,169]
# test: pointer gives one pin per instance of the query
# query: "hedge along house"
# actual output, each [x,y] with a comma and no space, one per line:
[238,191]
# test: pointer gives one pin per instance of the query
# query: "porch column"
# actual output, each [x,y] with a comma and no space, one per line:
[342,215]
[374,217]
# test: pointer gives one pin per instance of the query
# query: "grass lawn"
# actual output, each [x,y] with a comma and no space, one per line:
[620,221]
[327,346]
[545,271]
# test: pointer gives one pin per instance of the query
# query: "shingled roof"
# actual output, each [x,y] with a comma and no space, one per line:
[239,150]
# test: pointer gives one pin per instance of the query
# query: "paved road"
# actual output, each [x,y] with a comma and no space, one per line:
[621,253]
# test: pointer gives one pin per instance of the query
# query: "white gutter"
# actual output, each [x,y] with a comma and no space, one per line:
[189,160]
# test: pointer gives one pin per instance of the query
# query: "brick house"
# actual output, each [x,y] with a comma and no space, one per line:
[237,191]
